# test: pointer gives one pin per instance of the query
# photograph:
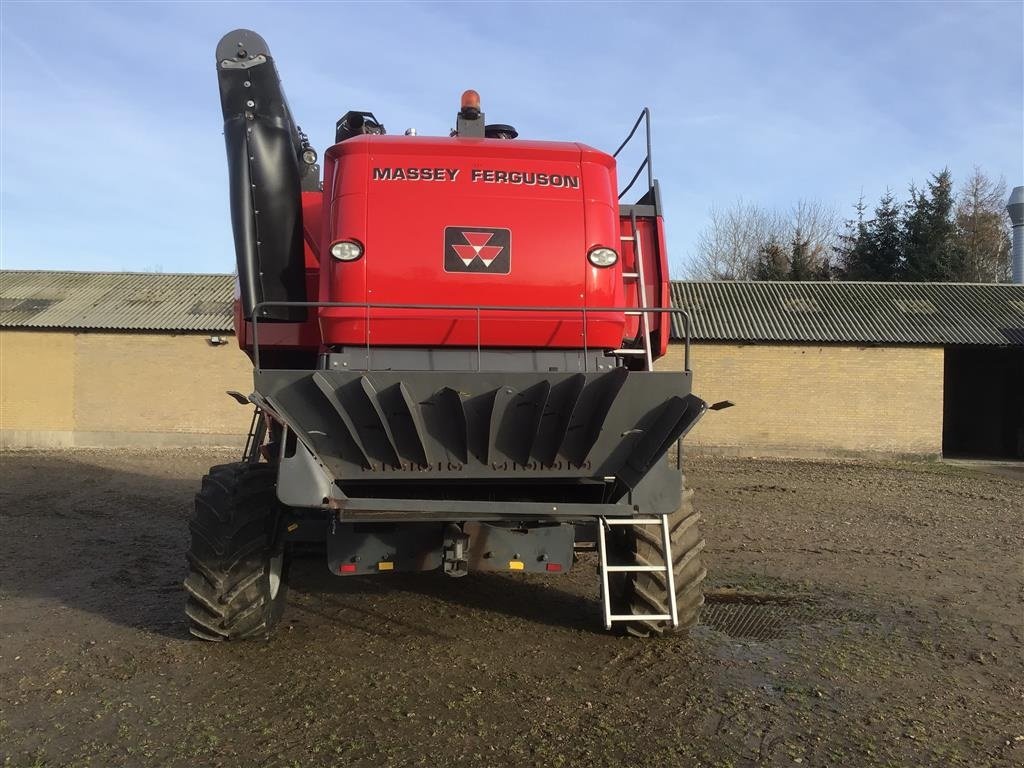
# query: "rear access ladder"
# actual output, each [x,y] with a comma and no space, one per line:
[666,547]
[637,278]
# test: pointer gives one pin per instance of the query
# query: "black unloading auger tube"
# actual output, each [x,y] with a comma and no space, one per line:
[267,170]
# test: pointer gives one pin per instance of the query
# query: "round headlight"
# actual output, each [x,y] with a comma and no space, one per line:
[309,156]
[346,250]
[603,257]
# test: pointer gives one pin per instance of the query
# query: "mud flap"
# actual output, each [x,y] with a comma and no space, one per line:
[302,481]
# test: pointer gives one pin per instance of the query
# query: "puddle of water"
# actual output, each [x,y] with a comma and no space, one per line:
[764,616]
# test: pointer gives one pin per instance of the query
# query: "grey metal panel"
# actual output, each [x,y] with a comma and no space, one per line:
[391,510]
[116,301]
[465,359]
[410,547]
[494,425]
[492,547]
[851,312]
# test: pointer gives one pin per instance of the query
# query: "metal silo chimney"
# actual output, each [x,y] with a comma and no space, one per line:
[1015,207]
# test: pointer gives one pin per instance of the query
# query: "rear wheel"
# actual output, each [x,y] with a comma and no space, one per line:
[647,592]
[236,584]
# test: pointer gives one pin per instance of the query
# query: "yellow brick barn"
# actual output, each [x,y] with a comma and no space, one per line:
[838,368]
[118,359]
[814,369]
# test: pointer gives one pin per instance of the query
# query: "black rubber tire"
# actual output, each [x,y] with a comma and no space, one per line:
[647,592]
[237,581]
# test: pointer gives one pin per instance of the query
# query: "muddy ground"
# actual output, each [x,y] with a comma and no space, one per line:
[885,629]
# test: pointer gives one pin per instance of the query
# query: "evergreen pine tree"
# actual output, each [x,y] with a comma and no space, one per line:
[884,250]
[801,266]
[949,255]
[916,258]
[852,247]
[929,233]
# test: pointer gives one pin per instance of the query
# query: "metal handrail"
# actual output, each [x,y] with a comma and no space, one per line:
[645,117]
[463,308]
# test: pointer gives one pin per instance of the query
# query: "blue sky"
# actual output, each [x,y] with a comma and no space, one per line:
[112,155]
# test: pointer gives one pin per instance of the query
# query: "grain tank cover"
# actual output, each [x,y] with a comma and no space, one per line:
[473,222]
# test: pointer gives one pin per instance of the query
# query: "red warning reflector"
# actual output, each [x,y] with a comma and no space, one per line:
[347,568]
[553,567]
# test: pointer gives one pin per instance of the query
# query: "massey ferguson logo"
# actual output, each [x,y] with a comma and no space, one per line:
[477,249]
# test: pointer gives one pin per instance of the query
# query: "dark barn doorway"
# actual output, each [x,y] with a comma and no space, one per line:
[983,402]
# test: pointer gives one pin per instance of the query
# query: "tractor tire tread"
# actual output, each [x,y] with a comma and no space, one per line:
[233,540]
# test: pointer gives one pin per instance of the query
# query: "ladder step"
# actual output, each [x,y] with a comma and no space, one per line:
[629,352]
[641,617]
[631,275]
[635,568]
[626,237]
[633,521]
[633,313]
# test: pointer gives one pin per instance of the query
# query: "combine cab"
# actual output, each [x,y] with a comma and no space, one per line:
[453,342]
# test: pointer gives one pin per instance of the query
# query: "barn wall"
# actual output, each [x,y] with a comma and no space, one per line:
[126,389]
[120,389]
[804,400]
[36,382]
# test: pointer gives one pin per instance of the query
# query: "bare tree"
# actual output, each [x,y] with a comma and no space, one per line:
[732,245]
[729,247]
[818,226]
[982,232]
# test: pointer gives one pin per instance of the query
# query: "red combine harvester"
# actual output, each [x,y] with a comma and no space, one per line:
[453,342]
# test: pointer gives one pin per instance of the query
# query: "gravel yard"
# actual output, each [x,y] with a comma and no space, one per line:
[859,614]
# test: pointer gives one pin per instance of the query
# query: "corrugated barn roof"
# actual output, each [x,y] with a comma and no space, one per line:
[149,301]
[815,312]
[861,313]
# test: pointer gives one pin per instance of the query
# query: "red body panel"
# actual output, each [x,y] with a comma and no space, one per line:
[664,298]
[472,183]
